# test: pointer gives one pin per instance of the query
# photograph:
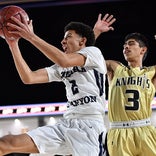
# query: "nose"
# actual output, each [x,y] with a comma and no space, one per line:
[63,41]
[125,46]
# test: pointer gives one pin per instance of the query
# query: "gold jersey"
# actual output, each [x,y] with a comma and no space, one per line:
[131,92]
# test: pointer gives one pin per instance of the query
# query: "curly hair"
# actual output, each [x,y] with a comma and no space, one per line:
[83,30]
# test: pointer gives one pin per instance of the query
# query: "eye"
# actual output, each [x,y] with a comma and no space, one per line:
[131,43]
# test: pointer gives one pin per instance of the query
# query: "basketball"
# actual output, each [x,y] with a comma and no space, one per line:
[5,17]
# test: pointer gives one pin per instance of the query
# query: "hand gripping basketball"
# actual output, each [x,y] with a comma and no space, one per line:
[5,17]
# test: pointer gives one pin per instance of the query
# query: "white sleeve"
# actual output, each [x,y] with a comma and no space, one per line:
[94,57]
[53,73]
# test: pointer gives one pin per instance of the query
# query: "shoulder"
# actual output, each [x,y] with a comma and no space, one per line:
[91,51]
[112,65]
[150,68]
[91,48]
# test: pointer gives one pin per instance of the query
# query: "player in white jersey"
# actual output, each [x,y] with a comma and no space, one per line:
[131,90]
[82,69]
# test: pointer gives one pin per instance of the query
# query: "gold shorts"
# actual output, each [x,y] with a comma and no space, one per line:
[137,141]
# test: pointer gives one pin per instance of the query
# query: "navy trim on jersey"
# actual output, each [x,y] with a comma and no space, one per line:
[103,147]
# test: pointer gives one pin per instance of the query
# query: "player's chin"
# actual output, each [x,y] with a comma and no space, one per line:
[129,59]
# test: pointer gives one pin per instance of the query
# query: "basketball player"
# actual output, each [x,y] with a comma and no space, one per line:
[131,91]
[81,67]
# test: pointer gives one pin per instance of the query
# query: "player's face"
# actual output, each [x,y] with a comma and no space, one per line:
[132,51]
[72,42]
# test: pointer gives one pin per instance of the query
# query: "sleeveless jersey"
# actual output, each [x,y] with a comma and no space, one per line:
[130,93]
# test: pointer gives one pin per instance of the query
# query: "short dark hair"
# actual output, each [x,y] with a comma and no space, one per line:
[141,39]
[83,30]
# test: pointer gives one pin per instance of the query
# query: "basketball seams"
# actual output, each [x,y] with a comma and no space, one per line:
[5,17]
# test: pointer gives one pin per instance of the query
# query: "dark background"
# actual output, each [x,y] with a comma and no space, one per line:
[49,19]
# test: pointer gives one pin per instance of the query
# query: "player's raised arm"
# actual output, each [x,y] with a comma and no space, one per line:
[103,24]
[25,30]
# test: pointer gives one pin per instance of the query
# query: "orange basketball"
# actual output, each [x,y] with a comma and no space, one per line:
[5,17]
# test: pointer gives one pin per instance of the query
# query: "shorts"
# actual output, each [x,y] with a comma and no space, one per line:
[79,137]
[138,141]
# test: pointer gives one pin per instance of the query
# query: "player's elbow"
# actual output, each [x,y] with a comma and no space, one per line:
[27,80]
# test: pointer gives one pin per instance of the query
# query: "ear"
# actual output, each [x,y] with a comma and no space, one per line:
[144,50]
[82,41]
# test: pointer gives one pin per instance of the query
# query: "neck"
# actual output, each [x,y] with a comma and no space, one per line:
[133,64]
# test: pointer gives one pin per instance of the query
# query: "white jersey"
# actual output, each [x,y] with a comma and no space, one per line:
[82,131]
[85,86]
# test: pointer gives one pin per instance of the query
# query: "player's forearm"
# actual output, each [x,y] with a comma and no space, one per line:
[96,33]
[23,69]
[50,51]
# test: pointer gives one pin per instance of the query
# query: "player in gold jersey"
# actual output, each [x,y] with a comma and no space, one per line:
[131,91]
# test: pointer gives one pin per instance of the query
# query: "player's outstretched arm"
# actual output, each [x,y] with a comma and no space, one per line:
[26,74]
[25,30]
[103,24]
